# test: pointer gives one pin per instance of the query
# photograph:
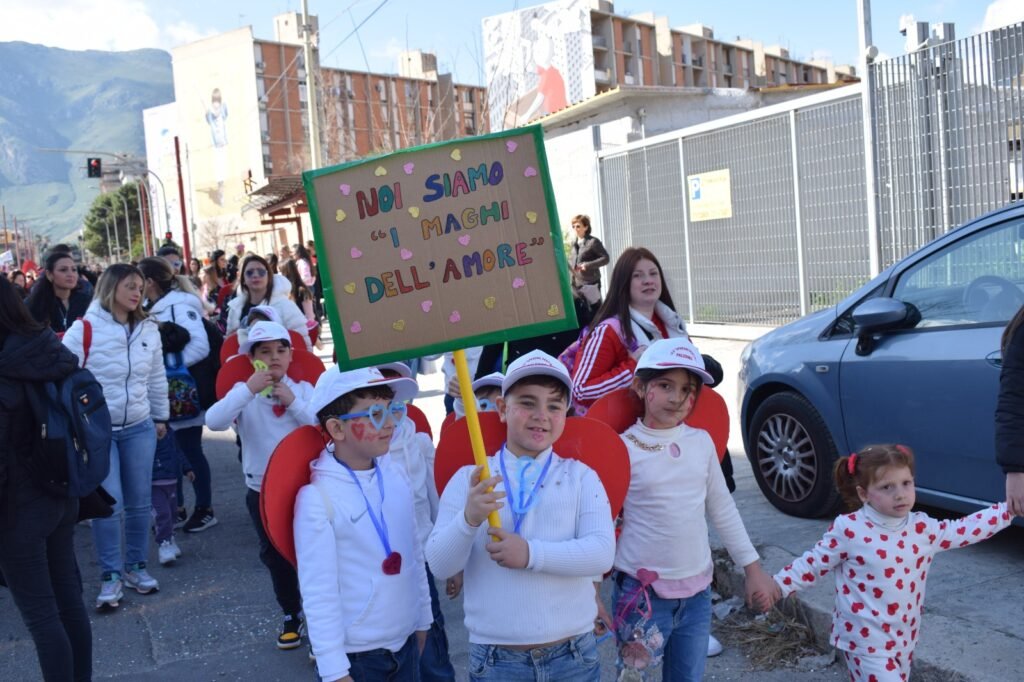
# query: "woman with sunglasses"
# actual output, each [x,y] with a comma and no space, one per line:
[257,286]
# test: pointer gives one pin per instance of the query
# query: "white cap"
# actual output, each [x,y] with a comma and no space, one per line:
[535,363]
[672,354]
[268,311]
[334,383]
[492,379]
[399,368]
[264,331]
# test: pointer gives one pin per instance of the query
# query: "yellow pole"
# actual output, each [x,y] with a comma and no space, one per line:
[476,437]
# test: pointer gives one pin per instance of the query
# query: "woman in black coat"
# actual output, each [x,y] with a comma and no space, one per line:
[56,299]
[37,554]
[587,256]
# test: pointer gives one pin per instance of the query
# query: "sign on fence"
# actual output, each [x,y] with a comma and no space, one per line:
[446,246]
[710,195]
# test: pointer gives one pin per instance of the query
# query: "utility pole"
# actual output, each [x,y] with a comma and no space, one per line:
[181,202]
[7,243]
[106,221]
[17,248]
[127,225]
[312,102]
[867,55]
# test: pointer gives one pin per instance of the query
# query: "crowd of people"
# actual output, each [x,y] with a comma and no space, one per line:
[371,530]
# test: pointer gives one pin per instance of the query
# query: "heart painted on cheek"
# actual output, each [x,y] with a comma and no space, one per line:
[359,430]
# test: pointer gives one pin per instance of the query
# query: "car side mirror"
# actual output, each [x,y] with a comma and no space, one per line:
[875,315]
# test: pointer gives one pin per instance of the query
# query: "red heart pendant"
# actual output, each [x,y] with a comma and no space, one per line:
[279,410]
[393,564]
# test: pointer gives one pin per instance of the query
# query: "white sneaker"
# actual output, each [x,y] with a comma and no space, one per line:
[111,593]
[714,646]
[177,550]
[166,552]
[140,580]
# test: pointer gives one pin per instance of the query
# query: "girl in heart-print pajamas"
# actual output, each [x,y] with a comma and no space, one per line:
[880,554]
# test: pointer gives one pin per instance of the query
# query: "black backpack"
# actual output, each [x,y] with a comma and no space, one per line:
[205,371]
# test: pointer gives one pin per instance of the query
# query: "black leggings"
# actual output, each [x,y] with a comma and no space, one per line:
[282,574]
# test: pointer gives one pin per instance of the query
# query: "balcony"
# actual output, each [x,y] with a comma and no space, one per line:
[628,79]
[600,42]
[603,75]
[698,62]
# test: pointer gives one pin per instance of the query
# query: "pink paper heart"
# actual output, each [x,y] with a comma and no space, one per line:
[355,252]
[646,576]
[518,283]
[529,172]
[356,328]
[511,146]
[426,305]
[409,167]
[454,317]
[406,254]
[345,189]
[464,240]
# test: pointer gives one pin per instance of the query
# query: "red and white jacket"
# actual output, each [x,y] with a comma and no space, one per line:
[881,572]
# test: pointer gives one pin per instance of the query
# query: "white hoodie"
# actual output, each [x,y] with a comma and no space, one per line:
[414,453]
[350,605]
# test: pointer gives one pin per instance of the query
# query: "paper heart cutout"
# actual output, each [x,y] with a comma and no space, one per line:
[398,325]
[454,317]
[531,216]
[381,171]
[350,288]
[529,172]
[409,168]
[339,215]
[406,254]
[553,310]
[414,211]
[489,302]
[518,283]
[279,409]
[426,305]
[356,328]
[355,252]
[646,576]
[673,450]
[464,240]
[511,145]
[456,154]
[345,188]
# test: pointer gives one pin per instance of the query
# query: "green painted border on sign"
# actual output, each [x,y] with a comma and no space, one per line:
[501,336]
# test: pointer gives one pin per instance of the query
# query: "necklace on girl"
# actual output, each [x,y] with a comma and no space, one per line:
[673,449]
[521,503]
[392,564]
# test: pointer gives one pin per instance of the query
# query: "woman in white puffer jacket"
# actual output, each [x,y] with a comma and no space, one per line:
[126,356]
[258,287]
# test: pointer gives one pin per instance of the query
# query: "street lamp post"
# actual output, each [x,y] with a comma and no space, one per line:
[106,221]
[127,225]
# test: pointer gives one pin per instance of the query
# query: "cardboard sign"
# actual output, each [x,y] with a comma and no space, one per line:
[440,247]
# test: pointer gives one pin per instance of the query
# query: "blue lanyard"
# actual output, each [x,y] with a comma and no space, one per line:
[381,525]
[521,503]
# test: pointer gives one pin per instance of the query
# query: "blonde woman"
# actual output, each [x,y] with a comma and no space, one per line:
[126,357]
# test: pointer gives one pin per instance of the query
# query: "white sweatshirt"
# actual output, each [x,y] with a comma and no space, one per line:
[572,542]
[414,453]
[259,426]
[350,604]
[674,482]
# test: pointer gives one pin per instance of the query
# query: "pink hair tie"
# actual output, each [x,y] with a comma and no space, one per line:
[903,449]
[851,463]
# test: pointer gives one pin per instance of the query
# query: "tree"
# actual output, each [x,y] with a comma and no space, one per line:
[106,220]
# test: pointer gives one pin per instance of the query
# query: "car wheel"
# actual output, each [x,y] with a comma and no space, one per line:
[793,455]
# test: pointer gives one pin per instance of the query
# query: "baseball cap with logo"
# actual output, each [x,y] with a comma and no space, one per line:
[672,354]
[535,363]
[334,383]
[268,311]
[492,379]
[264,331]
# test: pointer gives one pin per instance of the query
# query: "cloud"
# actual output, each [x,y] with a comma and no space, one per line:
[1002,13]
[91,25]
[389,51]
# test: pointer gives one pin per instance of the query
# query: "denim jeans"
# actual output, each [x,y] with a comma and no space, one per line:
[572,661]
[381,665]
[674,633]
[190,441]
[282,574]
[435,666]
[130,483]
[37,558]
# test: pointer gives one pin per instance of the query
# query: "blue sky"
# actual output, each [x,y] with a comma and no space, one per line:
[451,29]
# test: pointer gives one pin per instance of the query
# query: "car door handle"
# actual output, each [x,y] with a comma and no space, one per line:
[995,358]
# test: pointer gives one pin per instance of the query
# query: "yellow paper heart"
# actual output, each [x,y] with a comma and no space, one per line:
[531,216]
[398,326]
[489,302]
[381,171]
[414,211]
[350,288]
[456,154]
[553,311]
[339,215]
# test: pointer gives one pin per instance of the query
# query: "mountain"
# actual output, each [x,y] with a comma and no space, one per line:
[64,99]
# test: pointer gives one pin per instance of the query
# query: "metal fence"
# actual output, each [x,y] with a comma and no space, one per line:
[947,148]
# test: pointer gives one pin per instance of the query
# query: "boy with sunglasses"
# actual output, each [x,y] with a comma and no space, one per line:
[264,410]
[360,562]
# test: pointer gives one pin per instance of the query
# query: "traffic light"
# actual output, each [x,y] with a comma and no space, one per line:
[94,167]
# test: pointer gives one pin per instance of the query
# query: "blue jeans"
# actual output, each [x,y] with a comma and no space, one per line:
[435,666]
[190,441]
[572,661]
[675,633]
[381,665]
[130,483]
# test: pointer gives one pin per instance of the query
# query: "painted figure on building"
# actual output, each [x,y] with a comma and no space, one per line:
[216,118]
